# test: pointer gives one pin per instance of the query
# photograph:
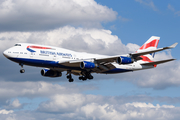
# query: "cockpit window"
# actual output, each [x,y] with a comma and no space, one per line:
[17,45]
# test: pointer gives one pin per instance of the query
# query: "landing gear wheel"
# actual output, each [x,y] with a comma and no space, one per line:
[81,77]
[90,77]
[71,80]
[86,75]
[84,78]
[22,71]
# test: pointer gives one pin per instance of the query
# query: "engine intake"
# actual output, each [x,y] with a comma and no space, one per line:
[124,60]
[87,65]
[50,73]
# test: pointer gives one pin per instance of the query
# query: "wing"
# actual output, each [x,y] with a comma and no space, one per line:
[103,64]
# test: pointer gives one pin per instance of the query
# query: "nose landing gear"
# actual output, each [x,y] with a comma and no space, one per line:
[22,70]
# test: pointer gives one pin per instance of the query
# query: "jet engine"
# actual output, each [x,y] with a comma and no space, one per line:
[50,73]
[87,65]
[124,60]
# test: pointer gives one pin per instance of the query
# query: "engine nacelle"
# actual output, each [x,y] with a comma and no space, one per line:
[50,73]
[124,60]
[87,65]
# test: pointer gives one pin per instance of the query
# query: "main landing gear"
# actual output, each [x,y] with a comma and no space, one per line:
[22,70]
[86,75]
[70,78]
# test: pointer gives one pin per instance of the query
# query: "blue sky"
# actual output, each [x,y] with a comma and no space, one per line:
[94,26]
[142,20]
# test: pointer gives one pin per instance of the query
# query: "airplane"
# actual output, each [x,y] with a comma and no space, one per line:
[55,60]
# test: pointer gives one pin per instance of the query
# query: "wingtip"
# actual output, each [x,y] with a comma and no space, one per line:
[174,45]
[172,59]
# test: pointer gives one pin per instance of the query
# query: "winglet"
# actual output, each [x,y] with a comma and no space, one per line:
[172,46]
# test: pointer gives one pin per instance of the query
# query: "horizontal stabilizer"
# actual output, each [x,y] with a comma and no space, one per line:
[172,46]
[134,55]
[158,62]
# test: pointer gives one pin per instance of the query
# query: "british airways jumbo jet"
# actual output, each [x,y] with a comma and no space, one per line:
[55,60]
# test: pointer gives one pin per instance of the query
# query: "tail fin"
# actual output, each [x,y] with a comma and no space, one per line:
[150,44]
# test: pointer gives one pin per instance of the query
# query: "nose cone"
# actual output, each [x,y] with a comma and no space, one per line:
[5,53]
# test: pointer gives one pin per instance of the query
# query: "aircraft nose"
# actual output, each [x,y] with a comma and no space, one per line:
[5,53]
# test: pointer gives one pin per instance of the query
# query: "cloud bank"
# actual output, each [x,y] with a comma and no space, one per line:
[23,15]
[80,39]
[68,102]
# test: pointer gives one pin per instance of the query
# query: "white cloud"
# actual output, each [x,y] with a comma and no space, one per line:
[163,76]
[170,7]
[15,104]
[50,14]
[132,47]
[149,105]
[123,19]
[10,90]
[3,111]
[87,40]
[97,107]
[67,102]
[148,3]
[177,13]
[62,102]
[105,111]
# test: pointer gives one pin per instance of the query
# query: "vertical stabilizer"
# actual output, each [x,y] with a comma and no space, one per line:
[150,44]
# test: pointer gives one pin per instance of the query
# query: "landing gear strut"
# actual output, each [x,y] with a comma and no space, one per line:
[22,70]
[70,78]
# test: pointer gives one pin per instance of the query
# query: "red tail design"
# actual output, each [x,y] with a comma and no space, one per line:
[150,44]
[153,43]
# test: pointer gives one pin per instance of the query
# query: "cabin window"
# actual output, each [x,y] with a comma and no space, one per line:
[16,52]
[17,45]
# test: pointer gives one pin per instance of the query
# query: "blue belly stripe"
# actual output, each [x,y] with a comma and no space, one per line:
[42,63]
